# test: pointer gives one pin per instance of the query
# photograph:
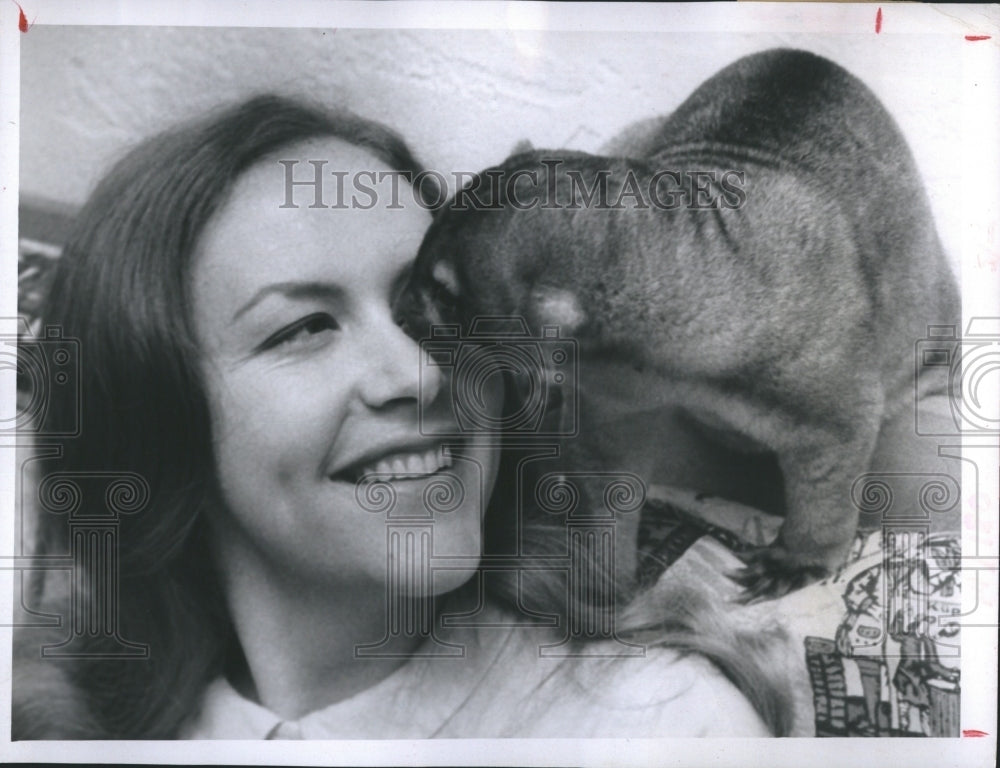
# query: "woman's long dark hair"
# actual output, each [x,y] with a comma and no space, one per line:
[121,288]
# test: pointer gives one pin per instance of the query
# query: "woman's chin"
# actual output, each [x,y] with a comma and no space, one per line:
[433,527]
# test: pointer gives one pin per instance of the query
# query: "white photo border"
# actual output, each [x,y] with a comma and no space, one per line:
[977,130]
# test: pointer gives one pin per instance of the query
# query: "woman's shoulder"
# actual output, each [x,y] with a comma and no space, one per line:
[664,693]
[605,689]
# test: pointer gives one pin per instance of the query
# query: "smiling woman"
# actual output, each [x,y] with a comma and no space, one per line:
[312,386]
[241,357]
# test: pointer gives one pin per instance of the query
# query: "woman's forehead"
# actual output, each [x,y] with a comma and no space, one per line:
[260,236]
[308,173]
[323,183]
[330,173]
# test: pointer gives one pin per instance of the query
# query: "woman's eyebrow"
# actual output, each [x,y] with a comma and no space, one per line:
[293,290]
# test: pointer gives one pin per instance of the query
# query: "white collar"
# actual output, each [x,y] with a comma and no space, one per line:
[413,702]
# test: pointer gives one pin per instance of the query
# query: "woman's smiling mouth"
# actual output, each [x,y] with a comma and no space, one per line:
[406,465]
[401,464]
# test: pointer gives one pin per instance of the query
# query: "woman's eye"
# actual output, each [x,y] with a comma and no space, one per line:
[302,331]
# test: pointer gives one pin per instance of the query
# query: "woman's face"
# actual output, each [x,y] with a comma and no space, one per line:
[312,385]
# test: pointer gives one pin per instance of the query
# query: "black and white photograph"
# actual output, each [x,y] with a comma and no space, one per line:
[503,383]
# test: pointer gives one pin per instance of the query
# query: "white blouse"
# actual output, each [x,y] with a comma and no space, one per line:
[505,685]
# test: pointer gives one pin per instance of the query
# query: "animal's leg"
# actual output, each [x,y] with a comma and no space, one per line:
[824,437]
[821,517]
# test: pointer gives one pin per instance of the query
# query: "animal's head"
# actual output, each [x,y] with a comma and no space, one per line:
[503,246]
[490,263]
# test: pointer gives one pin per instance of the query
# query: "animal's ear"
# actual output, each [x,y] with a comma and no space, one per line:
[555,317]
[522,147]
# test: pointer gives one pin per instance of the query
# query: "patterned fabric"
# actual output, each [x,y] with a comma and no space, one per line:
[879,641]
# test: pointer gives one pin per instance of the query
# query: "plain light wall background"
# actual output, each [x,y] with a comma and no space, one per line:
[462,99]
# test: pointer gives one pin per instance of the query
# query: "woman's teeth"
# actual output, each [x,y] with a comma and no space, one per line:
[405,465]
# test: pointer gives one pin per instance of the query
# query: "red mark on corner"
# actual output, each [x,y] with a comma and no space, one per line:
[974,733]
[878,21]
[976,38]
[22,20]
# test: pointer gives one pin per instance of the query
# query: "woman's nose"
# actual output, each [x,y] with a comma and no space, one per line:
[394,371]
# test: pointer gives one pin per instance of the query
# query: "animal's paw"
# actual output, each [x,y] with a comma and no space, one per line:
[772,572]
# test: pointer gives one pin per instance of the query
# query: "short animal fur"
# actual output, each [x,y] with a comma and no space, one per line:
[785,325]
